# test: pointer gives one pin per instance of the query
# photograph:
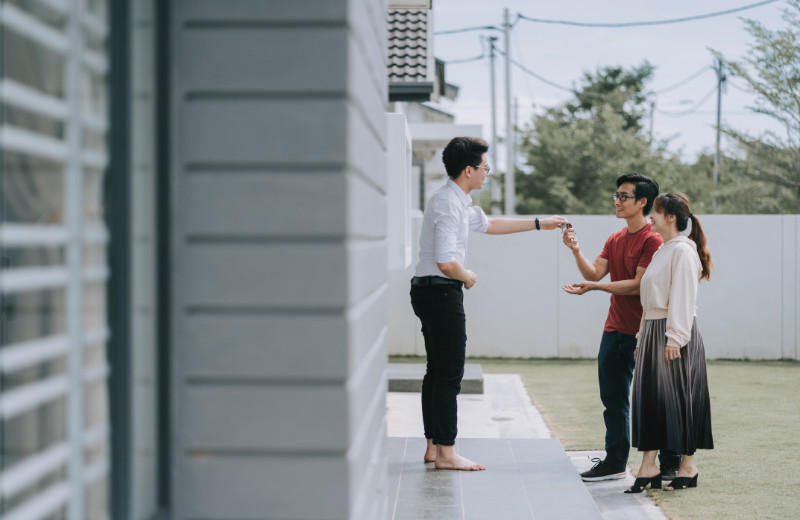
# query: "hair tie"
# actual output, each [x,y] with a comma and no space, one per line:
[691,215]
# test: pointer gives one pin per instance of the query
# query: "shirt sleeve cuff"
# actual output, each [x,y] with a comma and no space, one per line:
[672,342]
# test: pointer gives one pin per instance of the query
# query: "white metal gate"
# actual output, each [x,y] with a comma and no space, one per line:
[54,434]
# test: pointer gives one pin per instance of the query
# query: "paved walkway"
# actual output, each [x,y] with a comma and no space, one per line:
[504,411]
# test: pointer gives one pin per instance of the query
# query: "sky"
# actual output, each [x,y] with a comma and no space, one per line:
[562,54]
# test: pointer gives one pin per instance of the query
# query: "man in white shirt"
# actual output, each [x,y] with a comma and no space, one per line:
[436,290]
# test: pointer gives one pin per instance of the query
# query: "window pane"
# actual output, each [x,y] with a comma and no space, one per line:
[33,65]
[14,257]
[32,189]
[32,315]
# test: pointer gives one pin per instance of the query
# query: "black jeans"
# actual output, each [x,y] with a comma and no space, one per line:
[615,371]
[440,309]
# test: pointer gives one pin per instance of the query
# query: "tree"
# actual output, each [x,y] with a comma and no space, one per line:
[772,69]
[575,152]
[617,88]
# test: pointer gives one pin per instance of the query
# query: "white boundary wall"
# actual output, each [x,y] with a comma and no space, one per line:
[749,310]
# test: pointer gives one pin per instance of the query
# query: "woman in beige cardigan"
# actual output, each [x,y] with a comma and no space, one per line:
[671,406]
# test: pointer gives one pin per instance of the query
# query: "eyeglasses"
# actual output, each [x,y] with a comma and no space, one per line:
[487,168]
[622,197]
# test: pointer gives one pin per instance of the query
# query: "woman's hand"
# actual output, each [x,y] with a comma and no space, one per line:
[672,353]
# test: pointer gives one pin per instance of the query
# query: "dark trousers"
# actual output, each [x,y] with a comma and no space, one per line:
[440,309]
[615,372]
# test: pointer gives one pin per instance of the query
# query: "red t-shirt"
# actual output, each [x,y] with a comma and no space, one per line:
[625,252]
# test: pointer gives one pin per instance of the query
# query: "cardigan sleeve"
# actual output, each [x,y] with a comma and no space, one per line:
[682,296]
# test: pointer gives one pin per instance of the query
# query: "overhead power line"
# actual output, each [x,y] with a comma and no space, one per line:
[693,109]
[465,60]
[683,81]
[467,29]
[746,90]
[525,69]
[643,23]
[541,78]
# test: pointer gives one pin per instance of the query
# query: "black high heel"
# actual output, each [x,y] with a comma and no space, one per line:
[684,482]
[641,482]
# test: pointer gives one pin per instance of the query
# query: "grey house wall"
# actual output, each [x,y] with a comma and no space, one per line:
[279,248]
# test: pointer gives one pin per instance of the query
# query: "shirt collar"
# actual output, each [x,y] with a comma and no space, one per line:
[463,197]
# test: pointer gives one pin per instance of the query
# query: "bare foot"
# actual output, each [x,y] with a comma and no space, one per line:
[430,453]
[457,462]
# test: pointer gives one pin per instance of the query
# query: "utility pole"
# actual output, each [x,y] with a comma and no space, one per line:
[495,182]
[510,142]
[720,81]
[652,114]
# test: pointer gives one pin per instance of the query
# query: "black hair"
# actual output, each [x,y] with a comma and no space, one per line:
[461,152]
[644,187]
[678,204]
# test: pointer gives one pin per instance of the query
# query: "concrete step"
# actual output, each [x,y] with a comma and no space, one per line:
[407,377]
[524,479]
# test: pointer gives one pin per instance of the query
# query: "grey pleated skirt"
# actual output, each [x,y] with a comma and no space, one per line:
[671,409]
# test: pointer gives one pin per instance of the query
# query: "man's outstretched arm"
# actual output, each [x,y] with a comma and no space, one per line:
[505,226]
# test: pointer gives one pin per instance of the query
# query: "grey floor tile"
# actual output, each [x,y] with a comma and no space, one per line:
[427,512]
[525,479]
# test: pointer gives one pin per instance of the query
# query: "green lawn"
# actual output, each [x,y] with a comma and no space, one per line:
[755,407]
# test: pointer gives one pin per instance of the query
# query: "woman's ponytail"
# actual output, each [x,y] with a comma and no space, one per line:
[699,238]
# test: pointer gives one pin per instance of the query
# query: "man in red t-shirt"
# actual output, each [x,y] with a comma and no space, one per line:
[625,256]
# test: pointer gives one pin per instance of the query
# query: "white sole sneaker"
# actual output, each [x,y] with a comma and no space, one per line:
[613,476]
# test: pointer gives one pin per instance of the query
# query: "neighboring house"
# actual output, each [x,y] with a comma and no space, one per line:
[411,67]
[416,84]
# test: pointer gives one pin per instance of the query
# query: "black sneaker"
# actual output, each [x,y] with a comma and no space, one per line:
[668,474]
[603,471]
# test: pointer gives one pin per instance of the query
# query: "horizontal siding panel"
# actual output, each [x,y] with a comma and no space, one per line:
[366,322]
[366,268]
[366,209]
[273,11]
[272,418]
[281,347]
[366,150]
[266,204]
[258,131]
[262,64]
[371,480]
[369,41]
[366,392]
[366,93]
[257,487]
[283,275]
[367,455]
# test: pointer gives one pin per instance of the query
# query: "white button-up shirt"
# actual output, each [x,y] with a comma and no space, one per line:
[449,215]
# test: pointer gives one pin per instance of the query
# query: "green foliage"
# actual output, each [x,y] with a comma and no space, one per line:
[621,90]
[772,70]
[574,153]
